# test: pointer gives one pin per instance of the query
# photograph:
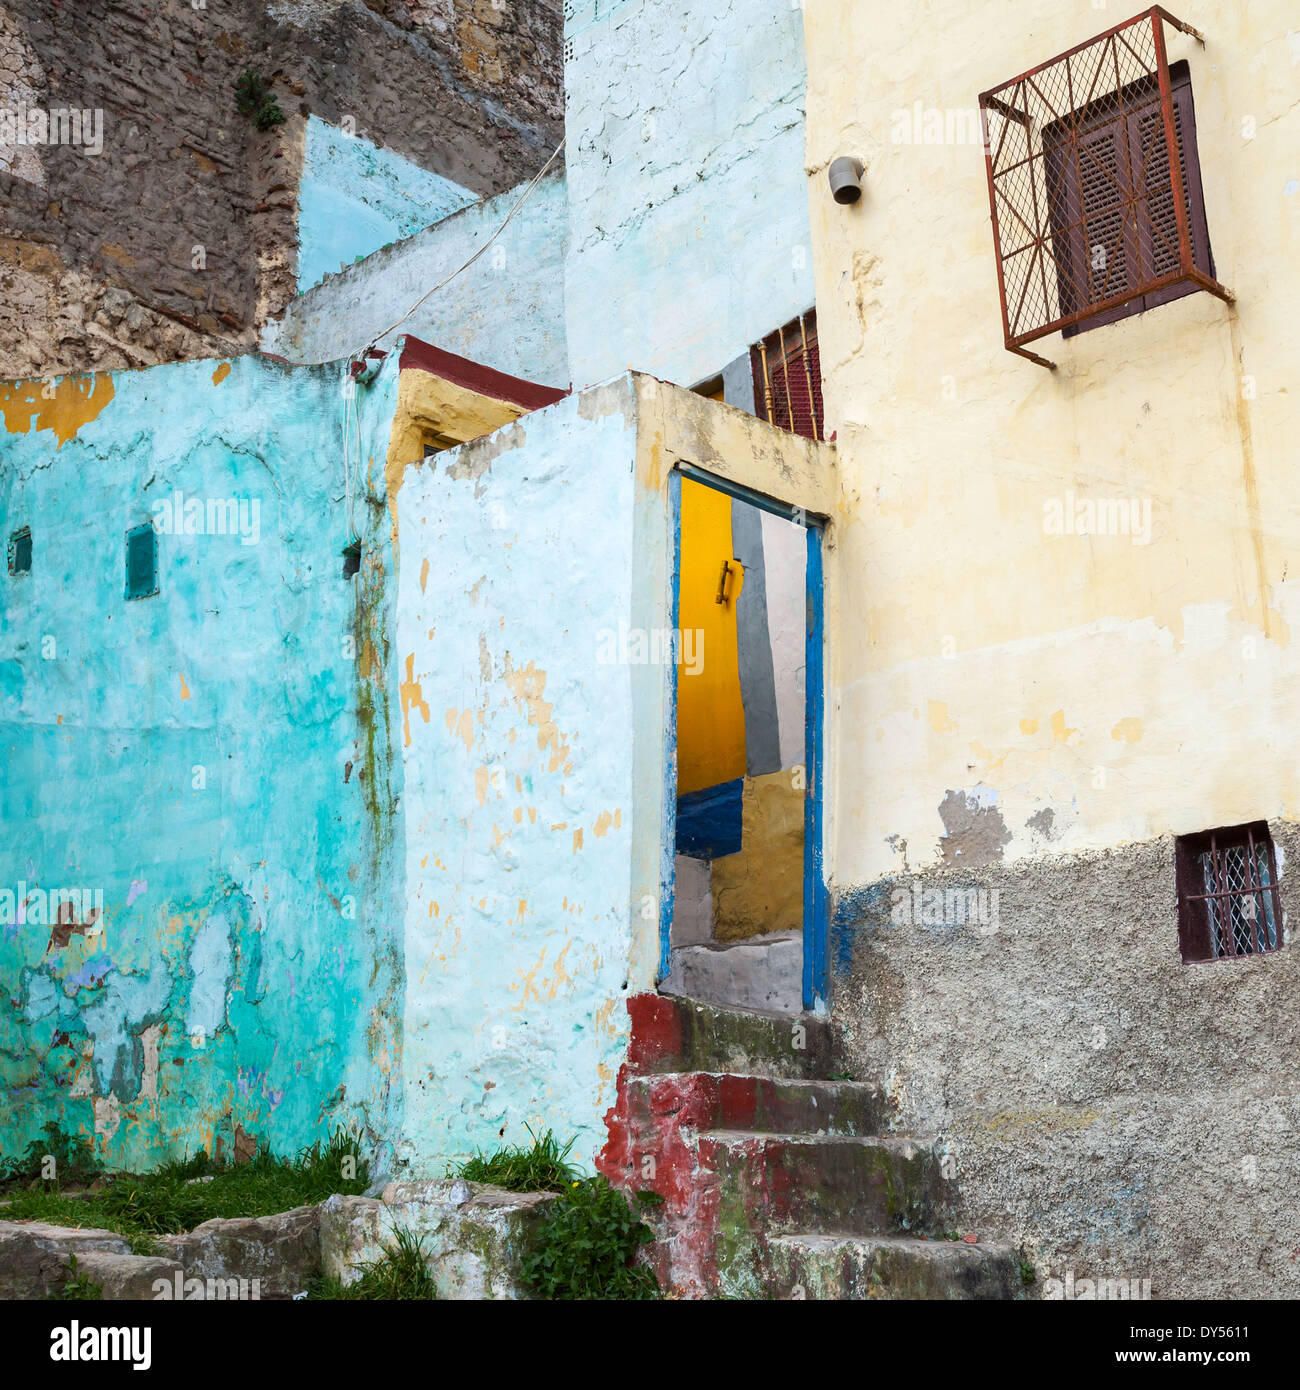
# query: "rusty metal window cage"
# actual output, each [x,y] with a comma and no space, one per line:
[1228,903]
[788,378]
[1094,185]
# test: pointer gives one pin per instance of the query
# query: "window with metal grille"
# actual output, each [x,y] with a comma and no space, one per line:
[1086,224]
[1098,165]
[788,377]
[1228,904]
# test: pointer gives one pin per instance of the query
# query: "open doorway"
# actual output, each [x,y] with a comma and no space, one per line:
[746,925]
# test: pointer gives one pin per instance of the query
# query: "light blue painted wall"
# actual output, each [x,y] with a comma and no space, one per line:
[689,227]
[506,310]
[354,198]
[213,761]
[517,552]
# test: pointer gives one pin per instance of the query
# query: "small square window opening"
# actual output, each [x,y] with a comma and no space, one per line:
[1228,903]
[20,551]
[141,561]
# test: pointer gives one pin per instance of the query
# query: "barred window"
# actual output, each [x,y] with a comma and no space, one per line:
[1110,196]
[1084,153]
[1228,904]
[788,378]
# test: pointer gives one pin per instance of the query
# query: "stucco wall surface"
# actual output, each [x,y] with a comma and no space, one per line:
[1036,705]
[686,184]
[1119,1114]
[354,198]
[516,554]
[1101,687]
[506,311]
[213,762]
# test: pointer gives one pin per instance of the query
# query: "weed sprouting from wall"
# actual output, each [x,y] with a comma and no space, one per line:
[254,99]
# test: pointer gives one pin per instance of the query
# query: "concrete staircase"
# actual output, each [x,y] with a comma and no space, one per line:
[777,1180]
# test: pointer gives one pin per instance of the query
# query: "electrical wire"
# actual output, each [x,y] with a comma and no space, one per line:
[351,416]
[447,279]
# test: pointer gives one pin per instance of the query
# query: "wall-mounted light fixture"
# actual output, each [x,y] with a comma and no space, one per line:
[846,179]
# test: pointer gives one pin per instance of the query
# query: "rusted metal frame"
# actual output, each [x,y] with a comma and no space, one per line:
[1032,356]
[767,381]
[1256,896]
[1079,47]
[1152,229]
[1096,77]
[1178,24]
[1174,277]
[785,373]
[1129,214]
[1020,303]
[1035,234]
[1125,200]
[1072,135]
[1171,141]
[807,371]
[1142,62]
[997,234]
[1038,215]
[1208,282]
[1044,98]
[1221,878]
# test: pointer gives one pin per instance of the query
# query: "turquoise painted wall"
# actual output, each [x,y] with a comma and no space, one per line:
[689,231]
[214,761]
[517,555]
[354,198]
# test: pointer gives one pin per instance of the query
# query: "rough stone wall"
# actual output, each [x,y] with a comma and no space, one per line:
[1122,1115]
[179,239]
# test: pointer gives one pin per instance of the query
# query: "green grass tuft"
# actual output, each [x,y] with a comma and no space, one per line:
[142,1206]
[401,1274]
[543,1167]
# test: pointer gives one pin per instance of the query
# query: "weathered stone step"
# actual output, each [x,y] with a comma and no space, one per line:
[803,1265]
[763,973]
[789,1182]
[687,1035]
[712,1100]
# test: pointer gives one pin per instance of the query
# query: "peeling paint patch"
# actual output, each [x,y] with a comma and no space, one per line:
[74,401]
[974,832]
[412,697]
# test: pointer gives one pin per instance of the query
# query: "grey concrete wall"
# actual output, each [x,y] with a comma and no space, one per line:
[1121,1114]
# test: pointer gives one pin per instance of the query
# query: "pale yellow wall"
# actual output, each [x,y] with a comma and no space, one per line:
[1132,690]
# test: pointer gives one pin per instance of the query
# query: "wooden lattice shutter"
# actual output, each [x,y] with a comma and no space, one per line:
[1111,203]
[1159,249]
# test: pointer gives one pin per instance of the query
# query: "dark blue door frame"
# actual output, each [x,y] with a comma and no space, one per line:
[814,882]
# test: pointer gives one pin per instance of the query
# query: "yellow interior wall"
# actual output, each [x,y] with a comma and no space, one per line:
[761,889]
[710,715]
